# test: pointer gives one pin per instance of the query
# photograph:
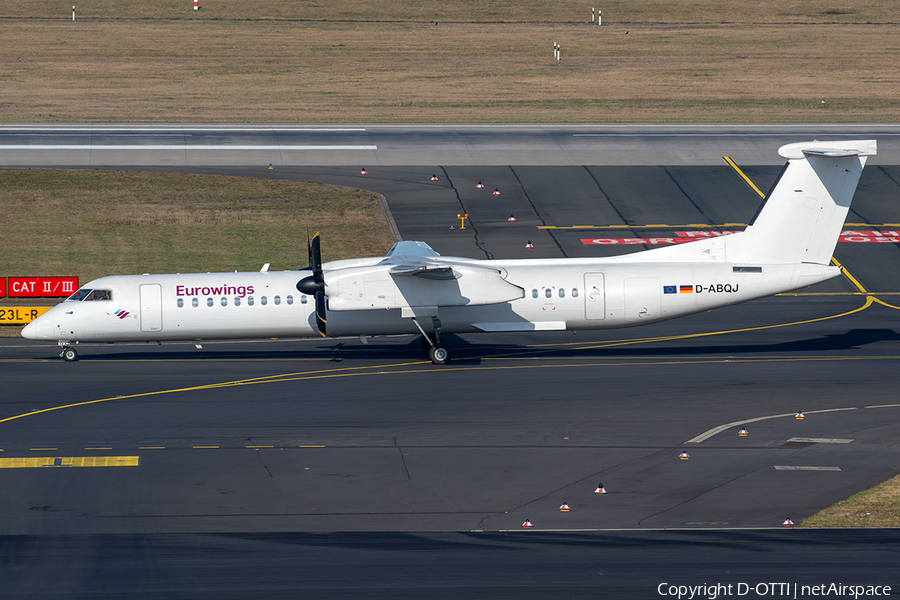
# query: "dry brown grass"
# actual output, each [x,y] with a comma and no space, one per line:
[615,11]
[876,507]
[275,71]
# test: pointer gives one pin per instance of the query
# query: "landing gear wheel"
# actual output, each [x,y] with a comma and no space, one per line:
[69,354]
[439,354]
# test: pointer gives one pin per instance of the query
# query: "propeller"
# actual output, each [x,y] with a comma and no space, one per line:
[314,285]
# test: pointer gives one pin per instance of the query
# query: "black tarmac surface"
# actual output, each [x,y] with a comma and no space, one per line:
[329,468]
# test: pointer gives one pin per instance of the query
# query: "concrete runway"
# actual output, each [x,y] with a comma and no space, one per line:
[278,444]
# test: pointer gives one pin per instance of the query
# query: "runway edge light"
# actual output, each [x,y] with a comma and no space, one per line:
[529,244]
[799,416]
[600,489]
[564,507]
[479,185]
[743,432]
[787,522]
[511,219]
[684,455]
[527,524]
[497,192]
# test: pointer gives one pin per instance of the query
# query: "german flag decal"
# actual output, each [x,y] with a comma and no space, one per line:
[686,289]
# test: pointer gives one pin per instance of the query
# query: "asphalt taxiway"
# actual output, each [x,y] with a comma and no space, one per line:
[277,443]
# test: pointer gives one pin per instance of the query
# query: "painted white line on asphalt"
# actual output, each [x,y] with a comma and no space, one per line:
[173,147]
[788,468]
[820,440]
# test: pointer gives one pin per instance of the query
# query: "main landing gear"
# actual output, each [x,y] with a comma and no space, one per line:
[68,353]
[438,352]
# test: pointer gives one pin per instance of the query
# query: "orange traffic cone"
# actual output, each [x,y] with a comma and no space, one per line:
[527,524]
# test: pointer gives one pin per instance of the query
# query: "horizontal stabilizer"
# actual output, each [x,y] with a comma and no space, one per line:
[832,149]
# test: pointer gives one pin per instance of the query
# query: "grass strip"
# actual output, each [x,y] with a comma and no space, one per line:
[875,507]
[94,223]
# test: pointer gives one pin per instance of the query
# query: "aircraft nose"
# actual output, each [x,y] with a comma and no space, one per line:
[29,332]
[39,329]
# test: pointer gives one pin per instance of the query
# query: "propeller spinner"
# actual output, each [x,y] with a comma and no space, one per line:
[314,285]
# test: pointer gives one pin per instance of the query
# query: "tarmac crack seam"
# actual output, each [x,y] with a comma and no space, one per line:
[466,212]
[258,455]
[691,499]
[570,484]
[402,459]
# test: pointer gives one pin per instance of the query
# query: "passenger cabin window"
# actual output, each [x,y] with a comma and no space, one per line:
[534,293]
[277,300]
[548,292]
[574,292]
[263,300]
[237,300]
[562,293]
[303,300]
[249,300]
[290,299]
[195,302]
[209,301]
[180,302]
[224,301]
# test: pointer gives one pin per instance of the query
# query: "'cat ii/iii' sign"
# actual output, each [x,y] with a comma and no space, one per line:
[40,287]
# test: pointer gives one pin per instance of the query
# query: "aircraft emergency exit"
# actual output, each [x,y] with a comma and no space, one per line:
[413,290]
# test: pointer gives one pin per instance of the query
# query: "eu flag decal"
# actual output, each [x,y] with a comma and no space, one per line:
[669,289]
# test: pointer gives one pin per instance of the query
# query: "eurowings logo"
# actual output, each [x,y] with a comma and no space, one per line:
[121,313]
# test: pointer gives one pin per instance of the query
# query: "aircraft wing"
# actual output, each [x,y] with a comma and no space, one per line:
[409,282]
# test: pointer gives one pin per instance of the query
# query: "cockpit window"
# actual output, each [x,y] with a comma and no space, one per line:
[86,295]
[80,294]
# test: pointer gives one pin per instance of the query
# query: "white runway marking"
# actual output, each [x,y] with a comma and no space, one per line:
[787,468]
[172,147]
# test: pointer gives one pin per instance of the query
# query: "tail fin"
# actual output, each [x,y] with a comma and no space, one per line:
[801,218]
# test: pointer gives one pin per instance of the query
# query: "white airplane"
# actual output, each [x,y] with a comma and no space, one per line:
[413,289]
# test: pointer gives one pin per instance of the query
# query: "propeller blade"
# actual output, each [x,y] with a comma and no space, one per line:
[315,259]
[320,312]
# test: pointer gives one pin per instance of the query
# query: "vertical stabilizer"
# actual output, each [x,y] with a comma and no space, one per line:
[803,215]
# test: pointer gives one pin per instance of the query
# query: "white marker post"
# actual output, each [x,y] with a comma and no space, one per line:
[598,16]
[558,51]
[73,13]
[593,10]
[196,4]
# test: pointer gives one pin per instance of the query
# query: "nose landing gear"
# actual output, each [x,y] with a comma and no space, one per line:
[68,353]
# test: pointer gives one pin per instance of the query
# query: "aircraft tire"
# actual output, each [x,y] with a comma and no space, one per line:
[439,354]
[70,355]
